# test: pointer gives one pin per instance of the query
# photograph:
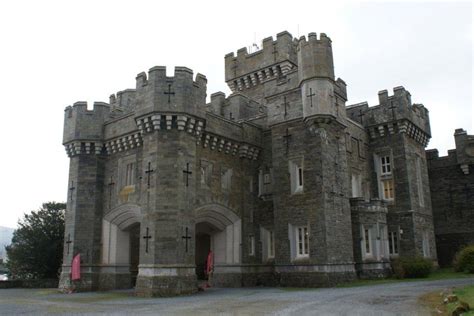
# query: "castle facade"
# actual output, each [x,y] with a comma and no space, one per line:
[452,194]
[282,180]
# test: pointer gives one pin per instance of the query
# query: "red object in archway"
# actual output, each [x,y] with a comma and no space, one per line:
[76,268]
[209,262]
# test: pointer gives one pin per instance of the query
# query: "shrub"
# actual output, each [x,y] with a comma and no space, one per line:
[417,267]
[464,260]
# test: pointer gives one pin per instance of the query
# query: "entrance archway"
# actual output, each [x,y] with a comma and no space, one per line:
[121,245]
[218,229]
[134,239]
[203,246]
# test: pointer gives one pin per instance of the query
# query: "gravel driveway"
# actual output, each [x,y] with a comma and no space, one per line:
[389,299]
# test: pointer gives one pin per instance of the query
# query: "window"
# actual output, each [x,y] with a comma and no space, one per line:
[361,149]
[386,167]
[368,249]
[366,241]
[356,181]
[129,174]
[267,179]
[383,243]
[302,242]
[393,243]
[267,239]
[387,187]
[300,177]
[226,179]
[206,172]
[419,181]
[264,181]
[355,146]
[296,175]
[252,245]
[271,244]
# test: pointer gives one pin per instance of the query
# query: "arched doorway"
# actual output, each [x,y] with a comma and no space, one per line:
[121,247]
[204,231]
[134,239]
[218,229]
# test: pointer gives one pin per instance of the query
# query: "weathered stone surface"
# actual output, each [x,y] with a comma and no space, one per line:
[263,177]
[452,187]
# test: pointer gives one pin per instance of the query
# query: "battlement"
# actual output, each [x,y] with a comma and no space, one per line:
[464,149]
[179,93]
[236,107]
[275,58]
[463,155]
[323,40]
[123,99]
[392,108]
[81,124]
[395,113]
[315,58]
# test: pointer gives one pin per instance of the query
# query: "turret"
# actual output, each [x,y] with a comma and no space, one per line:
[83,132]
[316,77]
[178,94]
[217,102]
[464,150]
[315,57]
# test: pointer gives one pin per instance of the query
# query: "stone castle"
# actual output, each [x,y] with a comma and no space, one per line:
[283,181]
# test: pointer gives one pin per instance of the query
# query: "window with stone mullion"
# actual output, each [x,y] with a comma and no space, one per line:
[302,239]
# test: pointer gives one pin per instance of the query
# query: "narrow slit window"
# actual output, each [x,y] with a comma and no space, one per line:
[300,176]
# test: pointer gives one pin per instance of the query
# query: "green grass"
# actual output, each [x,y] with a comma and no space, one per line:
[440,274]
[465,294]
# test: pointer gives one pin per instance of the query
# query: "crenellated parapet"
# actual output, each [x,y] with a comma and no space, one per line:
[237,107]
[275,59]
[394,114]
[83,132]
[122,102]
[464,149]
[463,155]
[315,58]
[181,93]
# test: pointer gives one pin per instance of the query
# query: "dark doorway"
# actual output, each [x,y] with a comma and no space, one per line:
[203,245]
[134,252]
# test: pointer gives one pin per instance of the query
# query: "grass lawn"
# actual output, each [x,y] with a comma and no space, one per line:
[434,301]
[440,274]
[465,294]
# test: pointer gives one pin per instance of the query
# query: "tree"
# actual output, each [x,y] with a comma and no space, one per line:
[37,245]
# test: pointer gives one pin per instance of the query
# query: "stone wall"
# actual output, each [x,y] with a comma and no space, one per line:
[452,195]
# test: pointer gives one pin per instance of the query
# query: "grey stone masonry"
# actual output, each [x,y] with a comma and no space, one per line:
[452,187]
[280,182]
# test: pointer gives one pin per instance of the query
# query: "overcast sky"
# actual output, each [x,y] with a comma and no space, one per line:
[53,53]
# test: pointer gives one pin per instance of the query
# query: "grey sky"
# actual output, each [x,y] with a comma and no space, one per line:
[54,53]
